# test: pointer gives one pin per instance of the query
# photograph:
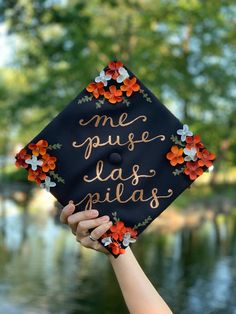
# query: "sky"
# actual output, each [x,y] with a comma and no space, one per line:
[6,46]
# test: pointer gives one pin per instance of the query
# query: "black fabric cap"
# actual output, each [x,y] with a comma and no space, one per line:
[116,148]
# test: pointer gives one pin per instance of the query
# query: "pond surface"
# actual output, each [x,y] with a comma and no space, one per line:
[43,270]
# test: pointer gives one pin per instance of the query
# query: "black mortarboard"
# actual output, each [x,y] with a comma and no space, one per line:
[117,149]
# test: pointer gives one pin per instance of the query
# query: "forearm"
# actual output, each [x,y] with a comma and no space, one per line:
[139,294]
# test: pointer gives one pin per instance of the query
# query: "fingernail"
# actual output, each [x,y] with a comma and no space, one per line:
[105,218]
[94,212]
[71,202]
[69,205]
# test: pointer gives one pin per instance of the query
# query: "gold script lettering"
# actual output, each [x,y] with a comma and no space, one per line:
[104,119]
[137,195]
[95,142]
[118,174]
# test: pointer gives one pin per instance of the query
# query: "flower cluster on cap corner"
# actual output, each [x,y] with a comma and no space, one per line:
[119,236]
[104,84]
[39,163]
[190,151]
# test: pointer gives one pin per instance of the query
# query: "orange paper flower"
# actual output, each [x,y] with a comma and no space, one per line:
[132,232]
[20,159]
[175,155]
[48,163]
[130,86]
[39,148]
[120,235]
[118,230]
[205,158]
[113,69]
[114,95]
[96,88]
[194,141]
[193,170]
[116,248]
[36,175]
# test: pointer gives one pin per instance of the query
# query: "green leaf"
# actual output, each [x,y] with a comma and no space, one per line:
[126,101]
[100,102]
[176,141]
[145,96]
[143,223]
[55,146]
[57,177]
[115,218]
[178,171]
[85,99]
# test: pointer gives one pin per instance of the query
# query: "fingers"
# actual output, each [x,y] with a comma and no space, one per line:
[100,230]
[75,219]
[96,234]
[82,221]
[84,225]
[83,215]
[66,212]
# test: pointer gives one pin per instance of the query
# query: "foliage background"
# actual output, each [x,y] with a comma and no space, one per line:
[183,50]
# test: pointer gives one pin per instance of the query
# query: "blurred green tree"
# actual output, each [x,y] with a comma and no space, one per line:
[184,50]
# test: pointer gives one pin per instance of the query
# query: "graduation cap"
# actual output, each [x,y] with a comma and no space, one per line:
[116,148]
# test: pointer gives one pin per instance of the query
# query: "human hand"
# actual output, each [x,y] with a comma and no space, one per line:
[81,222]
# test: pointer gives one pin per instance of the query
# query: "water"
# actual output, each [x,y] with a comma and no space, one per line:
[43,270]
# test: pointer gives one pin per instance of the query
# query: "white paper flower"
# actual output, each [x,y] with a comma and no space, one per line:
[107,241]
[191,154]
[184,132]
[34,162]
[103,77]
[123,75]
[127,239]
[48,184]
